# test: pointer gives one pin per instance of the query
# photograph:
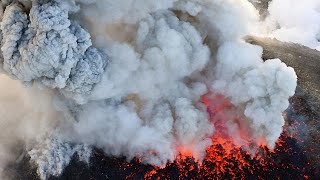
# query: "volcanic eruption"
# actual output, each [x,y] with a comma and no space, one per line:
[162,89]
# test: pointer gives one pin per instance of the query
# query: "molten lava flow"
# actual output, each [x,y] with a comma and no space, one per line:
[232,149]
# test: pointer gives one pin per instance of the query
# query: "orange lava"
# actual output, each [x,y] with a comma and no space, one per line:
[227,158]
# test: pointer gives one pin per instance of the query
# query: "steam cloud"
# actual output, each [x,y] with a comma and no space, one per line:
[295,21]
[127,77]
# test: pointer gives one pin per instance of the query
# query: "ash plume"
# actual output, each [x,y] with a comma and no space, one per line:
[128,77]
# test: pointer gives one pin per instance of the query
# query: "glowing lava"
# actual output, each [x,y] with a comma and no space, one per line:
[232,156]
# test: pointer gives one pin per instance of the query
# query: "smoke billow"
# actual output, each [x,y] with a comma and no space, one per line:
[128,77]
[295,21]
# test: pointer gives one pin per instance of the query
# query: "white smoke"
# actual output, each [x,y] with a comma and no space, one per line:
[262,88]
[295,21]
[128,11]
[134,90]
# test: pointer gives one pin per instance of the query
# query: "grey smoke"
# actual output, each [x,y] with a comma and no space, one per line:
[48,47]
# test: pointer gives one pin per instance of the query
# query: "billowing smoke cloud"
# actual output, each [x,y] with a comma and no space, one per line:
[134,87]
[262,88]
[295,21]
[47,47]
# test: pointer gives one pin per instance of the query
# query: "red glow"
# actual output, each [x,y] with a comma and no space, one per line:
[185,152]
[227,157]
[225,153]
[222,113]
